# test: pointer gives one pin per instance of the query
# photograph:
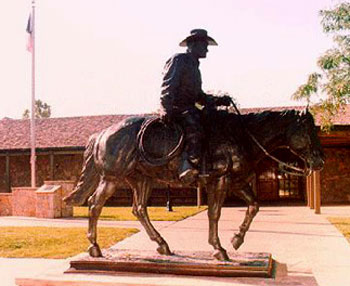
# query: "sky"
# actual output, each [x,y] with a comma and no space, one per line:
[96,57]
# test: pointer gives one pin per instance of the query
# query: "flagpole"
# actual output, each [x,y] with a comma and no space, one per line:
[32,119]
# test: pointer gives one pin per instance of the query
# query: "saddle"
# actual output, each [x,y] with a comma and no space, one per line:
[159,142]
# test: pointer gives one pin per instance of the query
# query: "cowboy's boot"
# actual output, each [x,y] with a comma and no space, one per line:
[188,172]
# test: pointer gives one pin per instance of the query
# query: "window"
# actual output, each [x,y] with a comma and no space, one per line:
[288,186]
[273,184]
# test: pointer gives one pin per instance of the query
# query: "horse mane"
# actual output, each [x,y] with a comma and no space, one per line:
[262,122]
[228,123]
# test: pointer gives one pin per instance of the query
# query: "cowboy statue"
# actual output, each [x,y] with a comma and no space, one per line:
[182,98]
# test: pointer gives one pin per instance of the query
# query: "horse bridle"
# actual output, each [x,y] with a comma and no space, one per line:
[285,167]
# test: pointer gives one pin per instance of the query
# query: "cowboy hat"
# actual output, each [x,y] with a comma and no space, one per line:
[198,34]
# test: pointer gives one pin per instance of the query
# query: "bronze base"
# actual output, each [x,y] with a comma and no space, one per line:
[181,263]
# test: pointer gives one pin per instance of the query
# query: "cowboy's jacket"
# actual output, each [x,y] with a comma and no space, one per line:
[182,84]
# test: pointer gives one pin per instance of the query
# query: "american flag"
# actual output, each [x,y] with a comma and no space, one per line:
[30,33]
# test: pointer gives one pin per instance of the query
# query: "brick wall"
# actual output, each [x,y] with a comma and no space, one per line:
[20,171]
[335,177]
[43,171]
[66,167]
[3,180]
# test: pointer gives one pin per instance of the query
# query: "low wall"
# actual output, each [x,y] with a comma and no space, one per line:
[45,202]
[335,176]
[5,204]
[23,201]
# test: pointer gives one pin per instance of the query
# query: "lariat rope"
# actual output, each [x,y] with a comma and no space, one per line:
[163,160]
[299,171]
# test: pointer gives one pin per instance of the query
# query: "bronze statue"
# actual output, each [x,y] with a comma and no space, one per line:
[181,90]
[141,150]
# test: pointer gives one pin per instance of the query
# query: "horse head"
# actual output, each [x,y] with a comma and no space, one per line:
[303,141]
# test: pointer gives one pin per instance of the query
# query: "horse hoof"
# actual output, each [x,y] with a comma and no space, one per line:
[221,254]
[164,250]
[237,241]
[94,251]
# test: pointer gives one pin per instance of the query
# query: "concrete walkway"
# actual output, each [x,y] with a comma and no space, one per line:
[308,250]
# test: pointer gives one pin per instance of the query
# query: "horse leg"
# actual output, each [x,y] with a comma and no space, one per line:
[104,190]
[248,196]
[216,197]
[142,191]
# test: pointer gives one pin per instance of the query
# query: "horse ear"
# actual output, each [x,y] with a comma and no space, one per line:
[305,111]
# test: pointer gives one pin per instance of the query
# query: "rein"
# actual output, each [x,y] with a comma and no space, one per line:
[285,166]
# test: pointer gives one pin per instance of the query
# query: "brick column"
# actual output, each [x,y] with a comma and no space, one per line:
[317,191]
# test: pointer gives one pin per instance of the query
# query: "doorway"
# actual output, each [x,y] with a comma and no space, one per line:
[274,185]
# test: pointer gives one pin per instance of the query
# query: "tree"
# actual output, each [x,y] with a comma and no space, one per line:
[42,110]
[333,81]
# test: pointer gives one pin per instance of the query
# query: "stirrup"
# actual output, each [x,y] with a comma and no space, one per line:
[188,173]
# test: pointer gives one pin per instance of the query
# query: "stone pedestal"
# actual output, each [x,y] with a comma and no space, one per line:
[251,269]
[24,201]
[66,188]
[5,204]
[48,201]
[196,263]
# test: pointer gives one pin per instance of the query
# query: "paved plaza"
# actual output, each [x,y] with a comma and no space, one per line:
[307,249]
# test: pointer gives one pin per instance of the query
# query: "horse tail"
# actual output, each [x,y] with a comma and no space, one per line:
[88,179]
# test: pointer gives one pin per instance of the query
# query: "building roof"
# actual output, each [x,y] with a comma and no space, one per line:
[73,132]
[65,132]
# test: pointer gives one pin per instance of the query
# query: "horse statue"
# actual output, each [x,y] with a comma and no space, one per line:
[138,153]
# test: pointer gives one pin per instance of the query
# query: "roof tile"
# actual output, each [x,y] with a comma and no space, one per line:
[53,132]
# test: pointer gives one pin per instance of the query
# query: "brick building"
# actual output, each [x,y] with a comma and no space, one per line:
[60,145]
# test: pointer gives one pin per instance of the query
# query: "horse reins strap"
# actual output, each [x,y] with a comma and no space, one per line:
[273,157]
[264,150]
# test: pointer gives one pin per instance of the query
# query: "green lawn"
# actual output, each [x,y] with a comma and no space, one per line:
[342,224]
[155,213]
[54,242]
